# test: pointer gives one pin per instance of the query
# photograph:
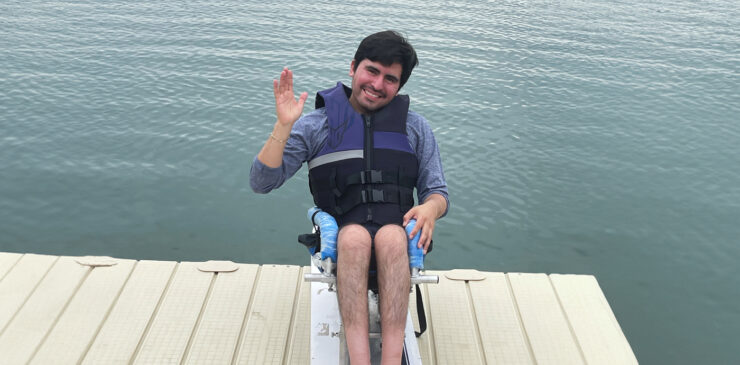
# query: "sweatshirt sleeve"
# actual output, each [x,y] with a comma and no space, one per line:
[431,178]
[301,146]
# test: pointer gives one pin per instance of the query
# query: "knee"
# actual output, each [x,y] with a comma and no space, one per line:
[392,239]
[354,237]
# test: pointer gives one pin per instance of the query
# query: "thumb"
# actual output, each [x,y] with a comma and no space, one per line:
[407,217]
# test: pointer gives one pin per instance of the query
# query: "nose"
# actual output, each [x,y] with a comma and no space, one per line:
[377,82]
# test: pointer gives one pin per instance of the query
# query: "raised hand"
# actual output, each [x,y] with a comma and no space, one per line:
[287,108]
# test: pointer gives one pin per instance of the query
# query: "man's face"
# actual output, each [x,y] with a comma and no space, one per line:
[374,85]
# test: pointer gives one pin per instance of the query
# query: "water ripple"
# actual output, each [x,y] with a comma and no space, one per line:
[594,137]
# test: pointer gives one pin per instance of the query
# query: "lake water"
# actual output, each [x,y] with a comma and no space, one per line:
[590,137]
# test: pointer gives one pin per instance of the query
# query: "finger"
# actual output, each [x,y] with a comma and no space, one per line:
[275,88]
[422,240]
[302,100]
[407,217]
[430,234]
[427,241]
[417,227]
[427,233]
[289,80]
[283,80]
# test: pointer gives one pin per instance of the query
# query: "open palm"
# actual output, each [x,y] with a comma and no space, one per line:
[287,108]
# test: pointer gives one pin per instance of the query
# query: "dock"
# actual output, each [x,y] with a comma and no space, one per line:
[102,310]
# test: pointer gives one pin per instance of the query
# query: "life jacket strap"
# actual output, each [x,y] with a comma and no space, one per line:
[381,177]
[404,198]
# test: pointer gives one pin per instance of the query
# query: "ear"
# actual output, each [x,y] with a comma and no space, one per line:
[352,68]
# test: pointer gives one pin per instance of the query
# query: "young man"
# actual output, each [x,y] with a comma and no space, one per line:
[366,153]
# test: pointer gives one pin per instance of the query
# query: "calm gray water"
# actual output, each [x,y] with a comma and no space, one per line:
[590,137]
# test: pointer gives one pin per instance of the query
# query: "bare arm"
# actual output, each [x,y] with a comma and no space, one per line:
[288,110]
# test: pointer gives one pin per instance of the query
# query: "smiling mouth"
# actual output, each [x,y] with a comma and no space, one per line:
[371,94]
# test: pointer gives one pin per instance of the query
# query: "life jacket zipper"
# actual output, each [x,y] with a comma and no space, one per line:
[368,151]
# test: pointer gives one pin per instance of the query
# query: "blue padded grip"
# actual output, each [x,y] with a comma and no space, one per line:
[416,255]
[328,227]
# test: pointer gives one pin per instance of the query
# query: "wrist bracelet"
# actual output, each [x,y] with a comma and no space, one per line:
[277,139]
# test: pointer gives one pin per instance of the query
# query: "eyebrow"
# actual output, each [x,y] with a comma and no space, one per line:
[387,76]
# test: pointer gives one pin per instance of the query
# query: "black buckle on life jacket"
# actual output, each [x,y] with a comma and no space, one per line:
[371,177]
[372,196]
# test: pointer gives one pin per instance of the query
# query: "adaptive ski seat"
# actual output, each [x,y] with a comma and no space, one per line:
[328,345]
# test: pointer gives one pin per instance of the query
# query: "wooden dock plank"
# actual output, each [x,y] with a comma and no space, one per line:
[54,310]
[456,341]
[19,340]
[544,322]
[592,320]
[20,281]
[299,350]
[502,335]
[268,324]
[119,336]
[173,324]
[76,328]
[7,261]
[216,337]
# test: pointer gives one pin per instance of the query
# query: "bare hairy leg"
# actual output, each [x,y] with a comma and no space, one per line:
[391,253]
[353,260]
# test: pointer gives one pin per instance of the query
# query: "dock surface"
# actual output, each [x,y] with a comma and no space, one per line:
[97,310]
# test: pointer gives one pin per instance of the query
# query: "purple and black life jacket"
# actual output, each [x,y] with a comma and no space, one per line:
[366,171]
